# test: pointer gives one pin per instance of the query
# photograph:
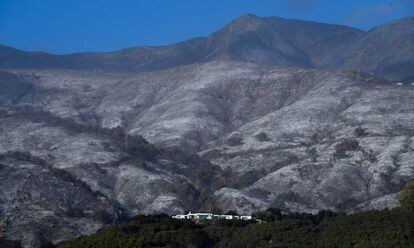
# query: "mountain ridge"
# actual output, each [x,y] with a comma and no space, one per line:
[249,38]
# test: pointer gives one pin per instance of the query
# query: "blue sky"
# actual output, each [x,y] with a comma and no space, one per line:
[66,26]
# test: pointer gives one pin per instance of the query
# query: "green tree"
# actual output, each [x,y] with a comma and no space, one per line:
[407,197]
[269,215]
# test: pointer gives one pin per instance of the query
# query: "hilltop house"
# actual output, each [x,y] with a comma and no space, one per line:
[210,216]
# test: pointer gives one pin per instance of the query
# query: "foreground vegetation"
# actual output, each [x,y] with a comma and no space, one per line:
[385,228]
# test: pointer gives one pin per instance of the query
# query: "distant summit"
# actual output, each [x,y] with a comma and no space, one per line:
[386,50]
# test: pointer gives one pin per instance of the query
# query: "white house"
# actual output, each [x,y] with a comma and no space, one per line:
[246,217]
[194,216]
[210,216]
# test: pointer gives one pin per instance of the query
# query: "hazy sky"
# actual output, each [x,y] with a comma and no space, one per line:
[65,26]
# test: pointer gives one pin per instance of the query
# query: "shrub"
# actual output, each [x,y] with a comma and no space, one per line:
[235,139]
[248,178]
[262,137]
[313,154]
[48,245]
[371,156]
[138,146]
[75,212]
[360,132]
[269,215]
[9,244]
[343,147]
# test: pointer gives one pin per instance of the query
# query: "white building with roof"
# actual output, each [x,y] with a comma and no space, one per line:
[210,216]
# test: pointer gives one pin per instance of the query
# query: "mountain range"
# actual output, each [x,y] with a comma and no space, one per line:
[266,112]
[385,50]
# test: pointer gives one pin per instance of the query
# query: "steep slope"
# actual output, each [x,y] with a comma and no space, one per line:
[40,203]
[251,39]
[386,50]
[61,179]
[317,40]
[12,88]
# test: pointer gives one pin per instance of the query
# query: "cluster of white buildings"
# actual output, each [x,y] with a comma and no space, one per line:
[412,84]
[210,216]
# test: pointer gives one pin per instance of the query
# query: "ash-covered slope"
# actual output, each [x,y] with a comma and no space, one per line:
[297,139]
[235,113]
[61,178]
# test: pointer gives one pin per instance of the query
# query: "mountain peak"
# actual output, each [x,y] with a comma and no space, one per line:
[246,19]
[248,16]
[246,22]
